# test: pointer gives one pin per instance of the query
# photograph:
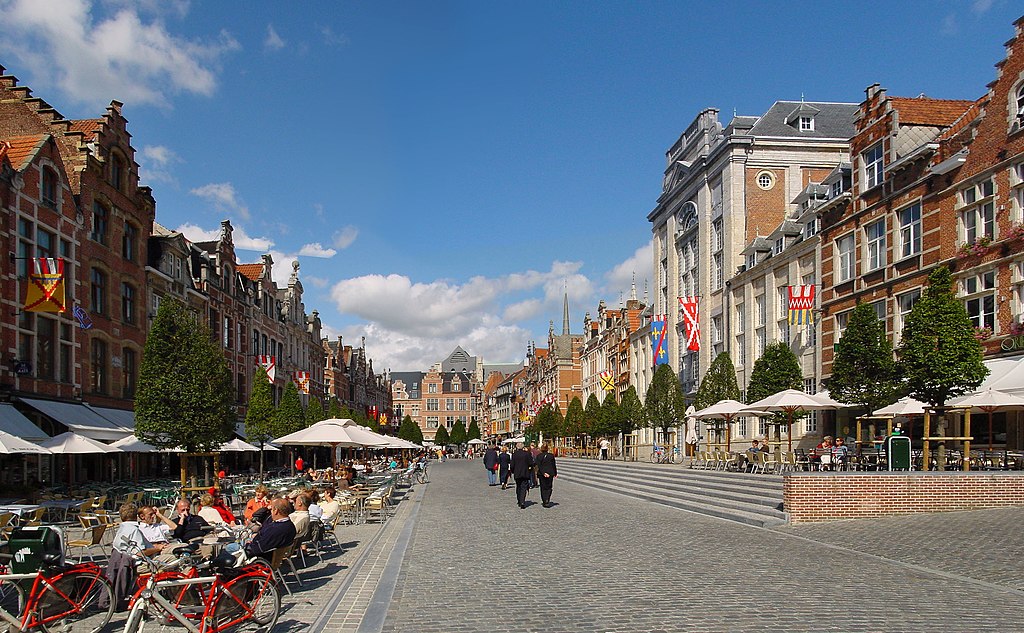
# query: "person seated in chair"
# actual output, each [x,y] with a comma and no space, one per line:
[278,532]
[188,526]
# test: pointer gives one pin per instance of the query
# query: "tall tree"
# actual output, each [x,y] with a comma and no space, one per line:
[939,356]
[289,416]
[611,416]
[777,370]
[409,430]
[591,416]
[334,409]
[864,370]
[459,435]
[631,412]
[546,422]
[473,432]
[259,415]
[664,403]
[441,438]
[185,395]
[314,411]
[719,383]
[574,418]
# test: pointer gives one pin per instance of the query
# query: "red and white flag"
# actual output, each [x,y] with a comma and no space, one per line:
[301,379]
[691,320]
[268,363]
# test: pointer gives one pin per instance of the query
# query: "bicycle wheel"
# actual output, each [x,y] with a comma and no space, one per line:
[76,602]
[12,600]
[654,457]
[677,457]
[247,603]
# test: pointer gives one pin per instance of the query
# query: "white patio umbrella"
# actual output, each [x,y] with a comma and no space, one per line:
[987,401]
[132,444]
[723,410]
[73,444]
[13,444]
[476,442]
[332,433]
[381,440]
[902,407]
[789,401]
[825,397]
[514,440]
[238,446]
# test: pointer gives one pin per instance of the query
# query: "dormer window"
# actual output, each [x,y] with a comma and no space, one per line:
[780,244]
[806,124]
[837,188]
[811,228]
[48,188]
[751,260]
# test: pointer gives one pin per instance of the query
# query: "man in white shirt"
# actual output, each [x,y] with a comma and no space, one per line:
[300,517]
[129,538]
[155,530]
[605,444]
[331,506]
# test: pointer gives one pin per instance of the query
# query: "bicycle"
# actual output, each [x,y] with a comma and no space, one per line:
[419,475]
[68,598]
[243,599]
[660,455]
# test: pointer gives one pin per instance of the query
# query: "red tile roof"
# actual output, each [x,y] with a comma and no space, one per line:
[88,127]
[252,271]
[21,149]
[925,111]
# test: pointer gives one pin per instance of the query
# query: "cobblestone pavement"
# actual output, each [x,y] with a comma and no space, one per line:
[601,562]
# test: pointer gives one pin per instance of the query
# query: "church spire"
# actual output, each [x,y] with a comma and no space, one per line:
[565,313]
[632,288]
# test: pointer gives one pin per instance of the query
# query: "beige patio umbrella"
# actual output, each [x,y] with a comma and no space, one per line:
[10,444]
[789,401]
[724,410]
[988,401]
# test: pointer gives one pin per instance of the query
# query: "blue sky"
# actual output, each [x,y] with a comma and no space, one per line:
[444,170]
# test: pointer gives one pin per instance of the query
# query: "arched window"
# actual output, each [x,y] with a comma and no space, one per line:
[117,177]
[100,222]
[48,188]
[1020,103]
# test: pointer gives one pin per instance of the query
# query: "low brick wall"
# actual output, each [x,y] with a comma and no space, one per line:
[816,497]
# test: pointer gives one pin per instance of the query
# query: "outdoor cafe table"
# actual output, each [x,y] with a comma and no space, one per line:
[63,505]
[18,509]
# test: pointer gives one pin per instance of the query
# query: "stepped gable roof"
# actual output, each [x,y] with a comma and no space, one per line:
[928,111]
[252,271]
[88,127]
[833,120]
[20,150]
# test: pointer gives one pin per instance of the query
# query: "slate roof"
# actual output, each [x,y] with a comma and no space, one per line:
[252,271]
[926,111]
[833,120]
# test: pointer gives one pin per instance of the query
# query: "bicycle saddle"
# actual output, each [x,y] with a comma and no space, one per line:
[224,560]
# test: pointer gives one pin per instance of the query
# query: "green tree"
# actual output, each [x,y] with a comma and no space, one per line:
[573,424]
[591,416]
[864,370]
[459,435]
[664,404]
[939,356]
[719,383]
[631,412]
[410,431]
[259,415]
[777,370]
[334,410]
[441,438]
[289,416]
[610,422]
[314,411]
[473,432]
[185,394]
[546,422]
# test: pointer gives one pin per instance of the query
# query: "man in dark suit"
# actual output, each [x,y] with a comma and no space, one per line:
[278,532]
[522,471]
[491,465]
[546,473]
[188,526]
[504,466]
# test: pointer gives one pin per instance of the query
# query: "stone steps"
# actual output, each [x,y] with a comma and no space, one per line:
[751,499]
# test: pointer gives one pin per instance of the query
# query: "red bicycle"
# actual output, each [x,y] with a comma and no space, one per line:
[66,598]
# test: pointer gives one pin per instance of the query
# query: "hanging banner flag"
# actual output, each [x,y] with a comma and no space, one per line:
[268,363]
[658,342]
[801,304]
[607,383]
[45,289]
[691,320]
[383,419]
[301,379]
[82,317]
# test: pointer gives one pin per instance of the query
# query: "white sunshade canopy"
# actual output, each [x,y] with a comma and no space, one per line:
[132,444]
[514,440]
[988,400]
[789,400]
[825,397]
[903,406]
[73,444]
[238,446]
[475,442]
[14,444]
[332,433]
[724,409]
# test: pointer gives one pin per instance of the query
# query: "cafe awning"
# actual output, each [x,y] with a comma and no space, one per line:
[120,417]
[1005,374]
[13,422]
[79,419]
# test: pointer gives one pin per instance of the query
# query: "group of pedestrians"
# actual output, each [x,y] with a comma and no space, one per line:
[529,467]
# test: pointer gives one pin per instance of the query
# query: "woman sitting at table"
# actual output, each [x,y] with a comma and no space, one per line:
[823,452]
[259,500]
[208,512]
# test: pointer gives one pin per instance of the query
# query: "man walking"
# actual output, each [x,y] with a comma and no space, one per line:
[522,471]
[491,465]
[546,473]
[605,444]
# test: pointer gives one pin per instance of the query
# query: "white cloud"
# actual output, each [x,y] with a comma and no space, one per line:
[950,25]
[344,238]
[316,250]
[273,41]
[524,310]
[982,6]
[620,277]
[317,282]
[240,238]
[223,197]
[155,163]
[95,58]
[333,39]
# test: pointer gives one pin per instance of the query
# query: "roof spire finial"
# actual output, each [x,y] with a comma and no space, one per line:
[565,308]
[632,288]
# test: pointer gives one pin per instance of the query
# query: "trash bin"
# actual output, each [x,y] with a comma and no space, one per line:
[28,546]
[897,448]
